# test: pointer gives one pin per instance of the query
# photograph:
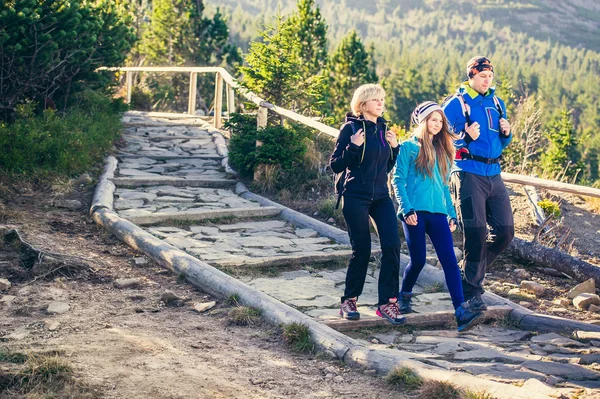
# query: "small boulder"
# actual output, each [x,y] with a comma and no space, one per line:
[127,282]
[339,379]
[584,300]
[594,308]
[83,180]
[140,261]
[4,284]
[590,358]
[57,307]
[588,286]
[563,302]
[170,299]
[67,204]
[533,287]
[525,304]
[203,307]
[522,274]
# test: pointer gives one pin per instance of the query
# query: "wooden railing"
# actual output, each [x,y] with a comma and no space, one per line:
[231,86]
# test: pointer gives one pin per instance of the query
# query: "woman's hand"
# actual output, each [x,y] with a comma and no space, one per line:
[411,219]
[358,138]
[391,138]
[452,225]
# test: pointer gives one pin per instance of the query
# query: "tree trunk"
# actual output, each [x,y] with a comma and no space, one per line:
[550,257]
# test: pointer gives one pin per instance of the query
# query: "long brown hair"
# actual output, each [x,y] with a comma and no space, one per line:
[440,147]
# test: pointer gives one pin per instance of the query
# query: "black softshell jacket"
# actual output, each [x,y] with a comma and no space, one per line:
[367,178]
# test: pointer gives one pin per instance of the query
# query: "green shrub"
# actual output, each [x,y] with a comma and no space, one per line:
[244,316]
[284,146]
[550,208]
[64,145]
[50,50]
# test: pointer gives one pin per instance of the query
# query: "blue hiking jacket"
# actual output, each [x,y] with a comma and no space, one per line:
[490,142]
[416,191]
[367,166]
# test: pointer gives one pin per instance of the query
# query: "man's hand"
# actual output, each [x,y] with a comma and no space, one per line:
[504,127]
[473,130]
[358,138]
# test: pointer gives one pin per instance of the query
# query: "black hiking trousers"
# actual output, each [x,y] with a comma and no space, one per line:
[357,212]
[481,201]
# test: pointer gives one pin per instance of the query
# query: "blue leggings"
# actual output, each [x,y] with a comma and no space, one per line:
[435,225]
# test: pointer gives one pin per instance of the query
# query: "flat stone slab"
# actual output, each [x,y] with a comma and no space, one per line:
[146,218]
[175,181]
[57,307]
[556,339]
[567,371]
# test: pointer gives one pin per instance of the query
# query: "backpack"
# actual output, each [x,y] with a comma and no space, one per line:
[340,178]
[465,107]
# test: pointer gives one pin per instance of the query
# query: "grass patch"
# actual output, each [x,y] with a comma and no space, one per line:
[233,299]
[40,375]
[7,356]
[468,394]
[435,287]
[297,336]
[521,296]
[53,144]
[404,379]
[439,390]
[244,316]
[326,208]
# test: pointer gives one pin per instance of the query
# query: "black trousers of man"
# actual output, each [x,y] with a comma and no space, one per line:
[481,201]
[357,212]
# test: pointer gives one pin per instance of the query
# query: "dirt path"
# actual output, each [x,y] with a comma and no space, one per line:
[126,343]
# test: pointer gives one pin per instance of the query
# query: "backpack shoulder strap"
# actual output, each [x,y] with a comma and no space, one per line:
[498,107]
[464,107]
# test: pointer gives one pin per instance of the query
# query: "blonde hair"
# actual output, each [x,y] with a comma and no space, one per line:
[440,147]
[363,94]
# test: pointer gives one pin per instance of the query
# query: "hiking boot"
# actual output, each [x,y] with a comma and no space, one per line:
[348,309]
[465,317]
[405,302]
[391,312]
[477,304]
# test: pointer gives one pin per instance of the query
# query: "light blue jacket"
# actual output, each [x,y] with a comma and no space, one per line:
[416,191]
[490,142]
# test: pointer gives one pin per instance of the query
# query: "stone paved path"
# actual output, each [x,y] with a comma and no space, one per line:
[170,180]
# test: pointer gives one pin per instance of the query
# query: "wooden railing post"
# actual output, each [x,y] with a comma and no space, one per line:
[193,91]
[129,83]
[230,100]
[218,100]
[261,118]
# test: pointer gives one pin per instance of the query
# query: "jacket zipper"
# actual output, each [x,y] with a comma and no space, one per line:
[377,163]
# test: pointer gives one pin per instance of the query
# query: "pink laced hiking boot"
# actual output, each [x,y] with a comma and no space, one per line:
[391,312]
[348,309]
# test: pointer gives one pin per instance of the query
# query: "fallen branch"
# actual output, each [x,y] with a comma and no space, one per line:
[551,257]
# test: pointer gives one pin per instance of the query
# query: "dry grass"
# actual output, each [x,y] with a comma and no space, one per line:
[244,316]
[404,379]
[593,204]
[40,375]
[62,186]
[439,390]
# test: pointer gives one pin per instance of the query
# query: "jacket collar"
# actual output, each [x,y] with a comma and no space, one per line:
[466,90]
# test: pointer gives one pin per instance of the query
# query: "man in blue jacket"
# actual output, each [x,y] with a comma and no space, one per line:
[479,194]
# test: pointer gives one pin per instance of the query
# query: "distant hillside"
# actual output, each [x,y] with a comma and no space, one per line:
[575,23]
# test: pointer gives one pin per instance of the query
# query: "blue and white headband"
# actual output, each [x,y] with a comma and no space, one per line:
[423,110]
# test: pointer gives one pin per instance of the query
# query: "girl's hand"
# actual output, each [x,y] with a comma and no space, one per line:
[452,225]
[358,138]
[391,138]
[411,219]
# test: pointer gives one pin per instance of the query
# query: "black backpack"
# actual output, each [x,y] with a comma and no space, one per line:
[340,178]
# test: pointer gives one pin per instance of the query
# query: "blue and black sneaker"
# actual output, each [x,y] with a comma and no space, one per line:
[477,304]
[465,317]
[405,302]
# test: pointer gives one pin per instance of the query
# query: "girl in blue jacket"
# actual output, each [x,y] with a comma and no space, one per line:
[421,184]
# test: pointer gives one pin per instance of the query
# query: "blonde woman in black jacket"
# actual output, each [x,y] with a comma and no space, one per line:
[366,150]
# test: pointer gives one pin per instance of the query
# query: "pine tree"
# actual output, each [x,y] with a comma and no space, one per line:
[309,27]
[350,66]
[275,70]
[562,155]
